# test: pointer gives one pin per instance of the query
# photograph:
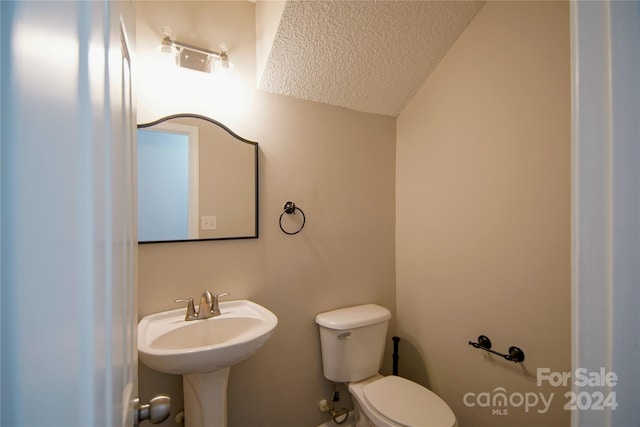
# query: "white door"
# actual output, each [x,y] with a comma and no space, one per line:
[606,211]
[68,249]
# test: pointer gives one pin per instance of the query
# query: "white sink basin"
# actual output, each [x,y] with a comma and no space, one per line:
[169,344]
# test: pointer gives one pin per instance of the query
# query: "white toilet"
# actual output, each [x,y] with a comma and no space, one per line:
[353,341]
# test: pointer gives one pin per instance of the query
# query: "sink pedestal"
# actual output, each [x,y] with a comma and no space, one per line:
[169,344]
[205,399]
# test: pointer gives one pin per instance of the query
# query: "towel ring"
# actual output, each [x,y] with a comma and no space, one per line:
[290,208]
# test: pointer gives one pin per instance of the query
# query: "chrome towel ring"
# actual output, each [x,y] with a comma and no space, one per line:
[290,208]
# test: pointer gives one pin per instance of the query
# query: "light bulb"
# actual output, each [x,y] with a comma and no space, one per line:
[168,53]
[223,68]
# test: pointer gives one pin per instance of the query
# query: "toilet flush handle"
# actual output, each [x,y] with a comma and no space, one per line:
[344,335]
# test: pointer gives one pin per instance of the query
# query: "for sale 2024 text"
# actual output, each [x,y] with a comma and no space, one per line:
[583,400]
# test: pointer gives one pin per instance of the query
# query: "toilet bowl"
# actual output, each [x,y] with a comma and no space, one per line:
[352,341]
[397,402]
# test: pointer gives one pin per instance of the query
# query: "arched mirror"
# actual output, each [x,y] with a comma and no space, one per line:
[197,180]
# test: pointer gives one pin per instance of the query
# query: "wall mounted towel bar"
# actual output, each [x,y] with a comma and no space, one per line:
[484,343]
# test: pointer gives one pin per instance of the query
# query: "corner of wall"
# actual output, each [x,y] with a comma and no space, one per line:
[268,14]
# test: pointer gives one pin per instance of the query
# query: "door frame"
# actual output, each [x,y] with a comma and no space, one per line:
[606,203]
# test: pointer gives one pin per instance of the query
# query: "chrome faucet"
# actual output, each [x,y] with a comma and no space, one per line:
[208,306]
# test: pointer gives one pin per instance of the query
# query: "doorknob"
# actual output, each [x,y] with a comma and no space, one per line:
[156,411]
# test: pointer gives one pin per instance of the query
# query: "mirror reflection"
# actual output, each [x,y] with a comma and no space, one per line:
[197,180]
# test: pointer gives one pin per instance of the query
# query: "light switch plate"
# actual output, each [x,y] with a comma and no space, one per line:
[208,222]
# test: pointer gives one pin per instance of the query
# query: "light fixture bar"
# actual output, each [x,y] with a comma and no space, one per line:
[181,45]
[194,57]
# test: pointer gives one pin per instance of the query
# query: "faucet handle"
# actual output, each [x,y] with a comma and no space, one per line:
[215,309]
[191,310]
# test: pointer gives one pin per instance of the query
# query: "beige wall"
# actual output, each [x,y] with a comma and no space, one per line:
[483,213]
[337,165]
[480,190]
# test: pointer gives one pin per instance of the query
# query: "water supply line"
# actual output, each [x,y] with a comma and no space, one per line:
[336,414]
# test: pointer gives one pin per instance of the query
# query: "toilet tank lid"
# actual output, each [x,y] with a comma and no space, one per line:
[353,317]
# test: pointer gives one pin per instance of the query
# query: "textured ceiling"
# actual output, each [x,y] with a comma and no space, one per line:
[369,56]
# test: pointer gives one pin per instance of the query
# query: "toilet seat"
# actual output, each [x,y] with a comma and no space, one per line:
[407,403]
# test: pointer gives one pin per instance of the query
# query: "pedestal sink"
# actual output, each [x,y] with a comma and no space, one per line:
[203,351]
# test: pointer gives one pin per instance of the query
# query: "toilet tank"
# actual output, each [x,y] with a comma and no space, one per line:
[353,341]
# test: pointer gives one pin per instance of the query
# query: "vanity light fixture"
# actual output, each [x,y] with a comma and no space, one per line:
[193,57]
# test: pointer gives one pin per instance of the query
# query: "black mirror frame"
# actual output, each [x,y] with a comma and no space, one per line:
[236,136]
